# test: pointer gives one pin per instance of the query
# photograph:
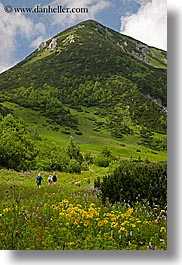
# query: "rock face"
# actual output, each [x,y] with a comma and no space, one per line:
[70,38]
[53,44]
[141,51]
[42,46]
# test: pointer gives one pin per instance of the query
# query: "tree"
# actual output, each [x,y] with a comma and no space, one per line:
[17,149]
[73,151]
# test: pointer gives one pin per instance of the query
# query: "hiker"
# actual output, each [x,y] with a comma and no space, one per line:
[49,180]
[39,180]
[54,177]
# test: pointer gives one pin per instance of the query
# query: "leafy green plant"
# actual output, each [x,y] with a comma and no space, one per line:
[133,181]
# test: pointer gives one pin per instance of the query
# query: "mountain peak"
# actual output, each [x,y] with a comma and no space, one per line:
[92,65]
[90,33]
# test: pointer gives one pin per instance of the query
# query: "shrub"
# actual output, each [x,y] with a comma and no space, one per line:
[85,166]
[89,158]
[74,166]
[132,180]
[102,161]
[97,183]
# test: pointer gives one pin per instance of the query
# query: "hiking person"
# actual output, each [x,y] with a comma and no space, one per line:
[54,177]
[49,180]
[39,180]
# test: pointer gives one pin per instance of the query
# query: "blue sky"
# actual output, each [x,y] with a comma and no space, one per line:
[21,33]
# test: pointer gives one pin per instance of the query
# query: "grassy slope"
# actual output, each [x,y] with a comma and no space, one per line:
[90,140]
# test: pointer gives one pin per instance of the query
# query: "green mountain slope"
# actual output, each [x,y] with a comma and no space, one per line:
[91,67]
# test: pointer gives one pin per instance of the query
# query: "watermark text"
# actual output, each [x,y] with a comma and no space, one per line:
[48,9]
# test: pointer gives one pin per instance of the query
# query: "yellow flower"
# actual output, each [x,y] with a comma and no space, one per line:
[103,222]
[86,223]
[114,224]
[70,243]
[6,210]
[122,229]
[100,223]
[163,229]
[127,213]
[124,223]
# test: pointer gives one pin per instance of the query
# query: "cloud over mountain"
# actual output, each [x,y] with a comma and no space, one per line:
[12,27]
[149,24]
[68,19]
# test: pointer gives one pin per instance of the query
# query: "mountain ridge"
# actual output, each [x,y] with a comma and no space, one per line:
[90,65]
[94,24]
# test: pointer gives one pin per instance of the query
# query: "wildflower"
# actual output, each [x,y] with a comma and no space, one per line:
[131,233]
[150,245]
[114,224]
[86,223]
[6,210]
[102,223]
[70,243]
[163,229]
[122,229]
[16,233]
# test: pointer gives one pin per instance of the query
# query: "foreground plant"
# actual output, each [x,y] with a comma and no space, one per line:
[65,225]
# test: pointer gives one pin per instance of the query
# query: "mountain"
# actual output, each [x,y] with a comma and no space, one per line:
[90,66]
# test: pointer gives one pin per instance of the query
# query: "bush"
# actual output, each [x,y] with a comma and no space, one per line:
[74,166]
[78,133]
[97,183]
[85,166]
[133,181]
[89,158]
[17,144]
[102,161]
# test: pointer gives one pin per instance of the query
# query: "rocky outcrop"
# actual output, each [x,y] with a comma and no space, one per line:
[70,38]
[53,44]
[42,46]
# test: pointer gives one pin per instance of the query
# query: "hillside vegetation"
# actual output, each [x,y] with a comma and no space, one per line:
[90,104]
[123,91]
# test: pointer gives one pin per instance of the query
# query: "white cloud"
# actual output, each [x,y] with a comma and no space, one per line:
[35,43]
[149,24]
[11,26]
[68,19]
[15,25]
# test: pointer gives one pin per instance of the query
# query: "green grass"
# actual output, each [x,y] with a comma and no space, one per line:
[68,216]
[90,140]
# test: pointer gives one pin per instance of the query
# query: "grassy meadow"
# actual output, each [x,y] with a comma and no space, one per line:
[93,137]
[69,215]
